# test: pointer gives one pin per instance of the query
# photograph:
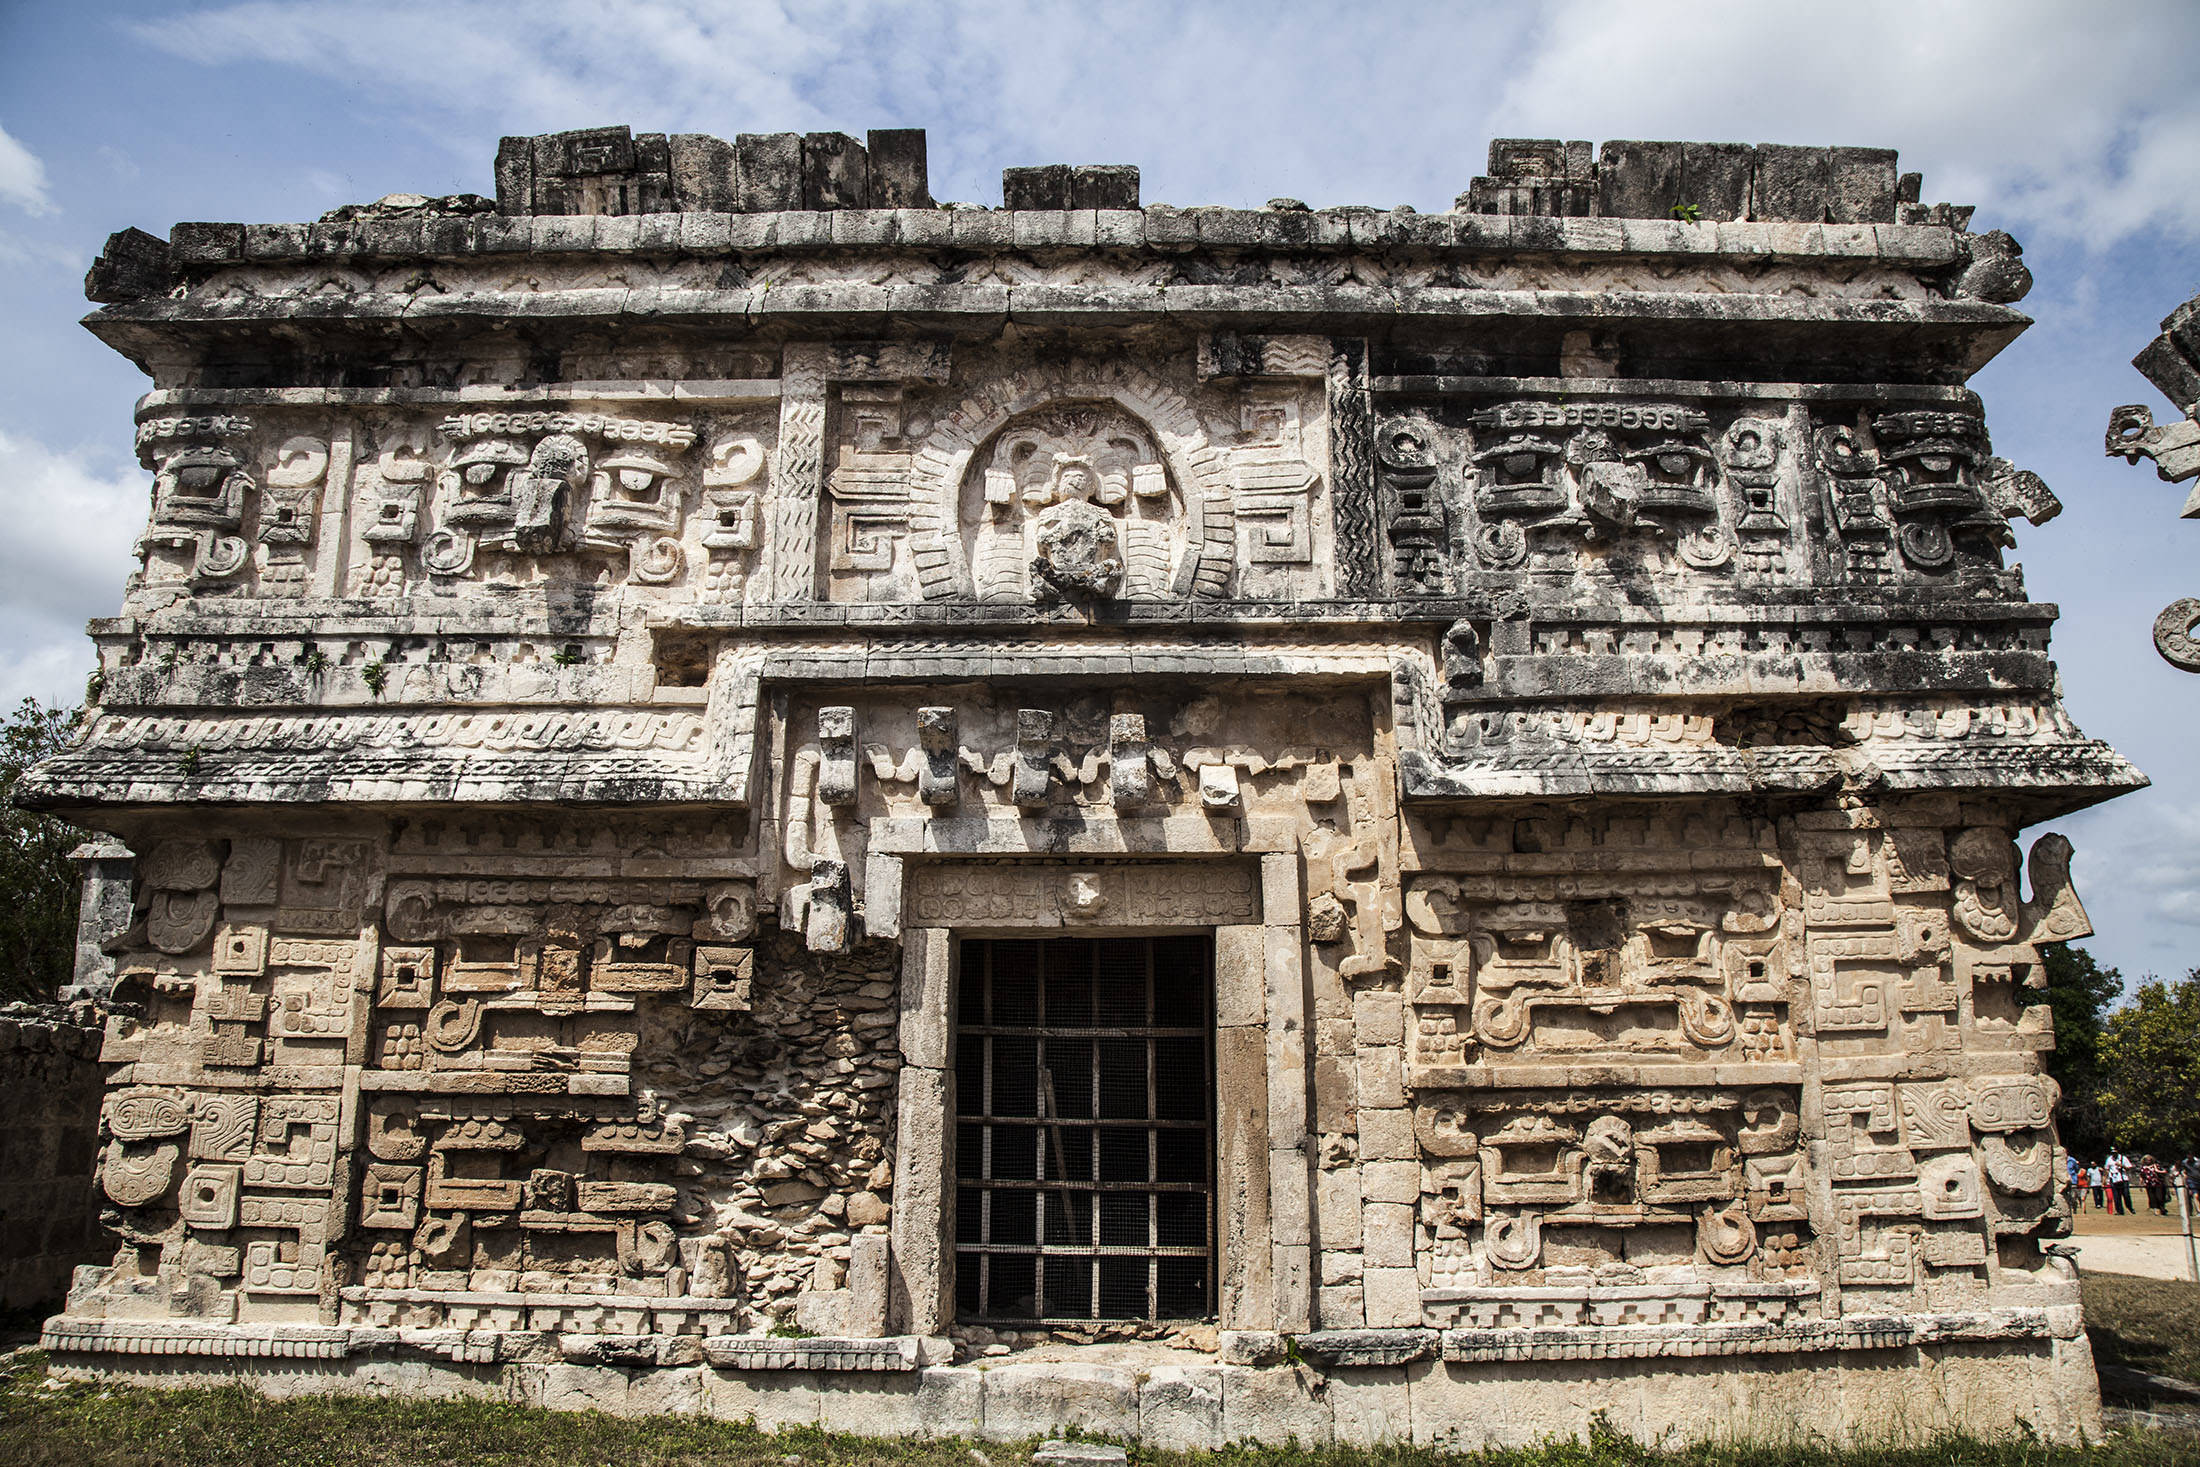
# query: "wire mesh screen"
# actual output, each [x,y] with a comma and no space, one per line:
[1084,1150]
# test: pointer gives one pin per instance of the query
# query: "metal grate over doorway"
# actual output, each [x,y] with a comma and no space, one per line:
[1084,1144]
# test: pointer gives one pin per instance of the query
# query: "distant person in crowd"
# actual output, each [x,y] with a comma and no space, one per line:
[2155,1178]
[2073,1181]
[2119,1181]
[2097,1179]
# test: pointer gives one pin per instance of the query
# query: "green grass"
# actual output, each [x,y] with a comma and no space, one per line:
[2144,1324]
[42,1424]
[105,1426]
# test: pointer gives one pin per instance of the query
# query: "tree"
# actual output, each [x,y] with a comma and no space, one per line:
[38,885]
[2080,992]
[2150,1055]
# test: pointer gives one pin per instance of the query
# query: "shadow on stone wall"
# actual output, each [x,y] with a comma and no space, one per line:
[49,1141]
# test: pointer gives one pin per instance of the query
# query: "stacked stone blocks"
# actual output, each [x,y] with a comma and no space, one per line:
[50,1092]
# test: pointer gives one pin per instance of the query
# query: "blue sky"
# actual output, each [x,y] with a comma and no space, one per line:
[2074,126]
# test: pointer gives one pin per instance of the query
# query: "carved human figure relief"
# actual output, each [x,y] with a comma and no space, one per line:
[1073,502]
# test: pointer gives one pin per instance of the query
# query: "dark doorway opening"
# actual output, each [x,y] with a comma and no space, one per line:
[1084,1141]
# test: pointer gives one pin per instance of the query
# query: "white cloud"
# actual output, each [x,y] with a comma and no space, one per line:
[2073,120]
[2062,118]
[52,670]
[22,178]
[70,527]
[569,63]
[41,254]
[1217,103]
[2160,861]
[120,164]
[62,562]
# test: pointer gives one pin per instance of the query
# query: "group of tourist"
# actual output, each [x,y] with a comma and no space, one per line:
[2106,1184]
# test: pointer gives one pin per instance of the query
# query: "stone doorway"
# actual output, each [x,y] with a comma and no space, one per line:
[1085,1149]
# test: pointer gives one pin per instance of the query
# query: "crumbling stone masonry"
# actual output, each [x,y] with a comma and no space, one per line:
[753,795]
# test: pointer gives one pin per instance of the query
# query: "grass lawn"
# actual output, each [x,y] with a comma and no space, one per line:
[2144,1324]
[2137,1322]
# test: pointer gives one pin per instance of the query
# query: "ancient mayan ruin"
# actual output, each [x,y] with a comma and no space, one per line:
[753,794]
[2172,363]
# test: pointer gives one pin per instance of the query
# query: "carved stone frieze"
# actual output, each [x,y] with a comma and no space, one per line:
[1168,894]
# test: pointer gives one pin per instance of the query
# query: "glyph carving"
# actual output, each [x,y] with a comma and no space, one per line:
[517,483]
[139,1175]
[200,488]
[1568,976]
[1547,476]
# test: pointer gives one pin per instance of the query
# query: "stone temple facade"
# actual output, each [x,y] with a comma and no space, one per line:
[755,795]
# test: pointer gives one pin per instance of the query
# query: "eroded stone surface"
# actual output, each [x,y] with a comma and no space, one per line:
[1567,663]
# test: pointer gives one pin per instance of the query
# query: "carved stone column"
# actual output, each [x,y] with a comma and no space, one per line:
[922,1275]
[103,913]
[798,474]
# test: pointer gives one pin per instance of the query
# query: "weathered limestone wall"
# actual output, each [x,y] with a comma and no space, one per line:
[50,1092]
[1885,1393]
[538,1117]
[1558,659]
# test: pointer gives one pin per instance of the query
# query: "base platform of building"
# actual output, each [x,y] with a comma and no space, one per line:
[1990,1374]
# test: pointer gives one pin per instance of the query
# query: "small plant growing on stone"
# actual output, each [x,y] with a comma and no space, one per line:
[1688,213]
[1608,1443]
[376,675]
[168,660]
[94,686]
[786,1331]
[190,763]
[316,662]
[567,656]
